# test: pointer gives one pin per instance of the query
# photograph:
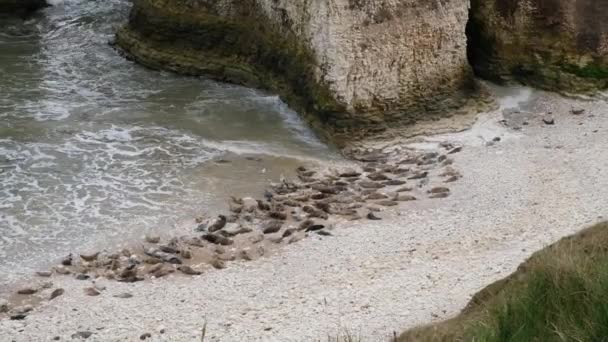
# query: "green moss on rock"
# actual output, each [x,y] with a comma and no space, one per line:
[556,45]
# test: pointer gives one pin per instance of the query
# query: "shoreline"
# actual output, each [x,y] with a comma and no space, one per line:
[381,276]
[314,203]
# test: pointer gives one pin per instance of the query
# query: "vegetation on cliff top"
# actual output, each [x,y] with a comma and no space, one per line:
[559,294]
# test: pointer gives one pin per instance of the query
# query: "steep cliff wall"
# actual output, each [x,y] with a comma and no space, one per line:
[351,65]
[19,7]
[554,44]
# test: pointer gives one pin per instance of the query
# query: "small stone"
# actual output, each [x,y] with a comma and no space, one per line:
[324,233]
[152,238]
[496,139]
[82,334]
[548,120]
[145,336]
[56,338]
[405,189]
[56,293]
[124,295]
[91,291]
[27,291]
[44,274]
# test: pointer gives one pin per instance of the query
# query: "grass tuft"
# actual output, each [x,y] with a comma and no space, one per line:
[559,294]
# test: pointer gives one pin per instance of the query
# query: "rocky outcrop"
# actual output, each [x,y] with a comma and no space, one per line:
[553,44]
[20,7]
[351,66]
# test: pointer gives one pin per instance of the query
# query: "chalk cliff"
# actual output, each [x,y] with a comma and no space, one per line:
[350,66]
[554,44]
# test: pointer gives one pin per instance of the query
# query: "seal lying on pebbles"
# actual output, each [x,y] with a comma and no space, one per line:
[288,212]
[216,224]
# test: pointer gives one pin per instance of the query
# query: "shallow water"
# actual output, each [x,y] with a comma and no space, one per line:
[95,149]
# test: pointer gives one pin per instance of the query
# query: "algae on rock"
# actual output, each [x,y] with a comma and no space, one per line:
[552,44]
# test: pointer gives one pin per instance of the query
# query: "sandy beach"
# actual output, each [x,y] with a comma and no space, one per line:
[525,184]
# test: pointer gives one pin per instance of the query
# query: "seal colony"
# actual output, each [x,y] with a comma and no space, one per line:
[290,210]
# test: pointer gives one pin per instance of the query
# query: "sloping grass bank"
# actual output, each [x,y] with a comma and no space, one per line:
[559,294]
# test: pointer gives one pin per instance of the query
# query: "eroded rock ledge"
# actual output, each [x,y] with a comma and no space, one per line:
[552,44]
[350,66]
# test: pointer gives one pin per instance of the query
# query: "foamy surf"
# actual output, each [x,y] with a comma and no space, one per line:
[95,150]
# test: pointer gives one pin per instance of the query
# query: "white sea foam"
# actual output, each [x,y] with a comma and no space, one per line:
[95,148]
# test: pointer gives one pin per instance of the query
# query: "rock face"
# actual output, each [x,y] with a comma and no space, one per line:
[348,65]
[553,44]
[20,7]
